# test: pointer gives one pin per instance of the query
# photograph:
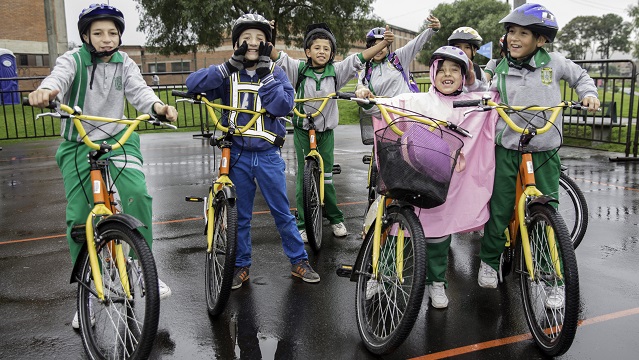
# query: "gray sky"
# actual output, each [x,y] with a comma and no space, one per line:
[409,14]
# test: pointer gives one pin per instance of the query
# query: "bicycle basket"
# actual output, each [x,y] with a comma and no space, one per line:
[366,127]
[416,166]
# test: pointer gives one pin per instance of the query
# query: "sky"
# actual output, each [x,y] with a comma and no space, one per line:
[409,14]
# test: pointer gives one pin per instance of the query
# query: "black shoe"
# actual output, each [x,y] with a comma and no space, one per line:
[304,271]
[241,275]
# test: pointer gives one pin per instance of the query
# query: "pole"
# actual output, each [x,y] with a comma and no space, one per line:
[52,35]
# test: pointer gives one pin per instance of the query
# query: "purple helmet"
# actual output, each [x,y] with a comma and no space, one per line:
[534,17]
[99,12]
[426,152]
[373,35]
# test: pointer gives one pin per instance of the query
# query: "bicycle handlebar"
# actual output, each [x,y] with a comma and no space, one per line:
[76,115]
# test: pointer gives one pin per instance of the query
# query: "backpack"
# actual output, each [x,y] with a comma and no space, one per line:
[393,59]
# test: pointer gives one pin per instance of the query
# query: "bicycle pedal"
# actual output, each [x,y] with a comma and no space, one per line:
[79,234]
[366,159]
[344,271]
[194,199]
[337,169]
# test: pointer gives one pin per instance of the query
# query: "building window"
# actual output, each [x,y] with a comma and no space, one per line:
[157,67]
[181,66]
[32,60]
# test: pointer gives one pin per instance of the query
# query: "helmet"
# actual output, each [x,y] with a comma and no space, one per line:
[374,34]
[98,12]
[427,152]
[534,17]
[451,53]
[320,30]
[250,21]
[502,43]
[465,34]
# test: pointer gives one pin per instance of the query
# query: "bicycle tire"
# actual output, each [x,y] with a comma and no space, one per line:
[119,327]
[573,208]
[381,328]
[220,261]
[312,204]
[552,326]
[372,181]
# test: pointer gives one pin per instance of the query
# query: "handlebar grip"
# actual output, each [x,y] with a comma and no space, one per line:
[466,103]
[52,104]
[183,94]
[345,95]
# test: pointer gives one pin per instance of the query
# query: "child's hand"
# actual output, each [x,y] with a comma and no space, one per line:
[364,93]
[389,37]
[264,61]
[236,62]
[433,23]
[272,23]
[168,111]
[41,97]
[592,103]
[470,74]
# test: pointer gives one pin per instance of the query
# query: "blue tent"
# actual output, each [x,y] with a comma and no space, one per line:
[9,93]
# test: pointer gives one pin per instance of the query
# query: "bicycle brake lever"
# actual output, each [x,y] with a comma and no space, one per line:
[55,115]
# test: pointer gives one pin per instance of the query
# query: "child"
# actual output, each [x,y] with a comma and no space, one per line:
[97,78]
[466,206]
[256,156]
[316,77]
[528,28]
[387,73]
[468,39]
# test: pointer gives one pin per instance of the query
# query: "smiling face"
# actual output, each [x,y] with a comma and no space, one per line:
[522,42]
[319,52]
[253,37]
[448,78]
[103,35]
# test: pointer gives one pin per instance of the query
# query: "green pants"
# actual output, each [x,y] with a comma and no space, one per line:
[325,146]
[502,201]
[437,250]
[129,180]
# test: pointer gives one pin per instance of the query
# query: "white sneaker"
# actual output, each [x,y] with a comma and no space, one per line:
[165,290]
[75,323]
[555,297]
[487,277]
[437,295]
[339,230]
[303,235]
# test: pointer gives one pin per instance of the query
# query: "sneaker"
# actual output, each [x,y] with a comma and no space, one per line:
[164,289]
[555,297]
[487,276]
[437,295]
[304,271]
[240,276]
[339,230]
[303,235]
[75,323]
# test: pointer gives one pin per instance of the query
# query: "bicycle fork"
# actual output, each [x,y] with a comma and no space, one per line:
[312,136]
[526,189]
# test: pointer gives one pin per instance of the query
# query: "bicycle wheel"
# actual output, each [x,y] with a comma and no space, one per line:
[119,327]
[573,208]
[372,181]
[312,204]
[387,307]
[220,261]
[551,296]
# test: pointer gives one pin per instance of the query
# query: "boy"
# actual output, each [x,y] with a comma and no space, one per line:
[316,77]
[528,75]
[255,156]
[97,77]
[466,206]
[468,39]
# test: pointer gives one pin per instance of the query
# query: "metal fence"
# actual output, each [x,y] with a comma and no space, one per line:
[613,126]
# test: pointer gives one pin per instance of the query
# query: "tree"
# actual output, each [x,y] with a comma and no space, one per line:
[180,26]
[577,38]
[612,33]
[633,12]
[482,15]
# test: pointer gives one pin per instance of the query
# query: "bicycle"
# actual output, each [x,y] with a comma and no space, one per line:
[390,269]
[313,184]
[575,211]
[220,207]
[118,299]
[538,237]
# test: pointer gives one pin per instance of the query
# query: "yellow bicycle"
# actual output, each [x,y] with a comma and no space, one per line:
[118,298]
[416,156]
[539,246]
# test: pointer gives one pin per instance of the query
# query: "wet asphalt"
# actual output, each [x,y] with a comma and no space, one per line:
[276,316]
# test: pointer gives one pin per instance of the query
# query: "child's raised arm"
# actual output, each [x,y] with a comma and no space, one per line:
[371,51]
